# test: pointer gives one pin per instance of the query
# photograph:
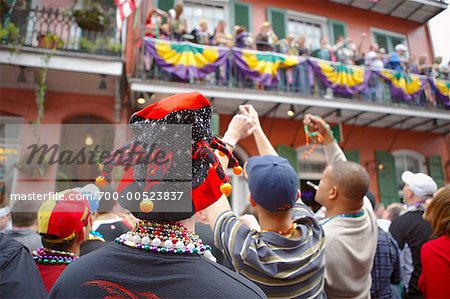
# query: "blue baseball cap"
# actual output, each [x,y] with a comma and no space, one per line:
[272,181]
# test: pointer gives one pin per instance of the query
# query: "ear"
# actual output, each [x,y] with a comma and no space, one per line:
[333,193]
[252,201]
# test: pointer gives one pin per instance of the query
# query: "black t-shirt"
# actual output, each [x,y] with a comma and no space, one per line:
[111,231]
[412,229]
[118,270]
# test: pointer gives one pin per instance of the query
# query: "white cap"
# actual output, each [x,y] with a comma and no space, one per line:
[421,184]
[401,47]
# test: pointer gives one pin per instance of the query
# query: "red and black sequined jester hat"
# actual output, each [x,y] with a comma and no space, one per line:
[209,180]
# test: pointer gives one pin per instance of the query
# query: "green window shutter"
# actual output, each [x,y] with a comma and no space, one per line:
[278,19]
[215,123]
[165,4]
[387,178]
[337,29]
[337,131]
[382,41]
[241,12]
[290,154]
[352,155]
[435,170]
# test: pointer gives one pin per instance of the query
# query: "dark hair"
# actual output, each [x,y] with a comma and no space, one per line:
[351,179]
[107,202]
[24,213]
[66,246]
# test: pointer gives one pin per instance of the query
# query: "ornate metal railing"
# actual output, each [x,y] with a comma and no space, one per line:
[51,28]
[381,86]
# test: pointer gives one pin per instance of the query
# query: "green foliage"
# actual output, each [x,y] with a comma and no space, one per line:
[91,17]
[50,41]
[10,34]
[100,45]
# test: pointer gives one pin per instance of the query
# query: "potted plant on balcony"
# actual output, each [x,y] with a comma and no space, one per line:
[10,34]
[91,17]
[50,41]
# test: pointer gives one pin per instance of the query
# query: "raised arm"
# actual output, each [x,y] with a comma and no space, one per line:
[238,128]
[262,142]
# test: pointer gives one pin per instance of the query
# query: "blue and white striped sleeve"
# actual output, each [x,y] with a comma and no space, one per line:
[232,238]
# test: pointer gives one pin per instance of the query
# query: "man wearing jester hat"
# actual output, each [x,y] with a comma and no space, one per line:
[162,256]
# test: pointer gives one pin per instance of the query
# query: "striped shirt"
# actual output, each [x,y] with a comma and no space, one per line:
[280,266]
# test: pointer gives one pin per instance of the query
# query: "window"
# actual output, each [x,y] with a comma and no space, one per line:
[212,11]
[242,15]
[337,29]
[408,160]
[387,39]
[311,26]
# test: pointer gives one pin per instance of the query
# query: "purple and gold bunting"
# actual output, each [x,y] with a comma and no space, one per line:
[403,86]
[442,90]
[184,59]
[343,79]
[263,67]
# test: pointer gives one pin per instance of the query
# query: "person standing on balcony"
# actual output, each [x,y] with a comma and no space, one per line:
[219,37]
[410,230]
[266,39]
[301,71]
[397,60]
[284,254]
[325,52]
[287,46]
[350,225]
[374,60]
[435,254]
[200,33]
[177,23]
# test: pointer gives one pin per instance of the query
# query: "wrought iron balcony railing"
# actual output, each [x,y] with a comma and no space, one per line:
[311,78]
[61,30]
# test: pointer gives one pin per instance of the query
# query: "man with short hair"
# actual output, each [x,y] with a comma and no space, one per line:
[350,224]
[286,257]
[410,230]
[24,222]
[63,225]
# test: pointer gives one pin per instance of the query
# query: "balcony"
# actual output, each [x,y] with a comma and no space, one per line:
[375,105]
[48,28]
[414,10]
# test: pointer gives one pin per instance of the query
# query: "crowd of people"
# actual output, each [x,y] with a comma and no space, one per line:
[298,79]
[173,26]
[354,248]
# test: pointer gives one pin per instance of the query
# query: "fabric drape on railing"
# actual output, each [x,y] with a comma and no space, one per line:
[403,86]
[441,89]
[263,67]
[186,60]
[343,79]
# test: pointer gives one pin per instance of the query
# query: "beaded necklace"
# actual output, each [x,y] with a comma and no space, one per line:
[172,238]
[349,215]
[315,138]
[53,257]
[285,233]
